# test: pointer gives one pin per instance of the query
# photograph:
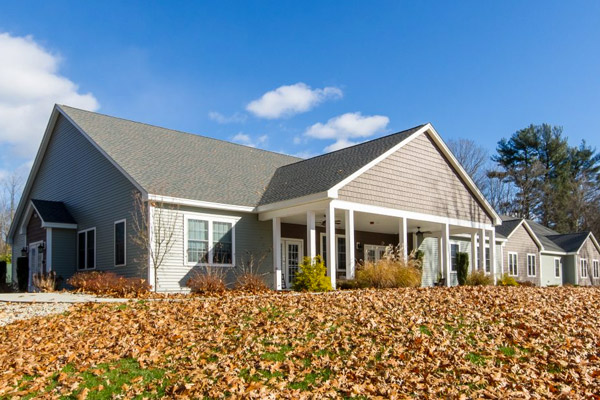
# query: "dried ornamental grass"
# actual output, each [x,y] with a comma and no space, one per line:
[108,284]
[208,280]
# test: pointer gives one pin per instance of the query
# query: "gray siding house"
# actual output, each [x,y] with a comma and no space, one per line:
[537,254]
[226,202]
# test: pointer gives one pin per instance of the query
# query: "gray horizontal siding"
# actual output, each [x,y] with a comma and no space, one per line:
[94,191]
[252,237]
[64,253]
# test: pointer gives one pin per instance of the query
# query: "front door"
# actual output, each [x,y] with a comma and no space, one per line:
[293,250]
[35,262]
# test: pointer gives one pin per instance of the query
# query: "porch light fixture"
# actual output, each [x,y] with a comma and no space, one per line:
[41,246]
[24,251]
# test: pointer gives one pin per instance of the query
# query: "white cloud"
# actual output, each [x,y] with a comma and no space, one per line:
[29,86]
[348,126]
[247,140]
[290,100]
[223,119]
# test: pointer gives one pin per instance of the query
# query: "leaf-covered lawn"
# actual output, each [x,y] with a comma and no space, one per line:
[457,342]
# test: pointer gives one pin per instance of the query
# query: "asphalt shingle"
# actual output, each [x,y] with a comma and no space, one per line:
[53,211]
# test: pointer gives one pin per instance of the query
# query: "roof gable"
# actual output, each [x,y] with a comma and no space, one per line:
[181,165]
[53,212]
[321,173]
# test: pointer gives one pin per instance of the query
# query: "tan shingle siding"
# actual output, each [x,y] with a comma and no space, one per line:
[522,243]
[416,178]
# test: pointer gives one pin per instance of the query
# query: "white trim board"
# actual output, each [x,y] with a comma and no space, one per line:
[200,204]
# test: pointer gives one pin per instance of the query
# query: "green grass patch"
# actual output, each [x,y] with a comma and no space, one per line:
[311,379]
[259,375]
[507,351]
[279,355]
[554,368]
[475,358]
[425,330]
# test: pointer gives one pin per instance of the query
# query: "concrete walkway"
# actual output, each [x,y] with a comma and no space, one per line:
[56,297]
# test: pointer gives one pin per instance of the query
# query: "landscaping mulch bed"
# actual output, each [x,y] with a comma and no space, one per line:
[463,342]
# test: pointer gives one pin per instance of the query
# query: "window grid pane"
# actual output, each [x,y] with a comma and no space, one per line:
[222,243]
[197,246]
[120,243]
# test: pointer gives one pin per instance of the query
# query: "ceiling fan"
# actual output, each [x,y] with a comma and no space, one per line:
[421,234]
[324,222]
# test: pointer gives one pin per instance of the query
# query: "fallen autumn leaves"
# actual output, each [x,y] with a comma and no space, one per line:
[458,342]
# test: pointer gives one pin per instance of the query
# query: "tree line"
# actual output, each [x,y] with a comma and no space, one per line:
[536,174]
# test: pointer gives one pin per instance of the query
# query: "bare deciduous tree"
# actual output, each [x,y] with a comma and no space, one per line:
[11,190]
[472,157]
[154,225]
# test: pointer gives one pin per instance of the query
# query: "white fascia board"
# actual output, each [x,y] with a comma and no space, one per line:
[293,202]
[346,205]
[104,153]
[533,235]
[295,210]
[442,145]
[594,241]
[555,253]
[333,192]
[199,203]
[58,225]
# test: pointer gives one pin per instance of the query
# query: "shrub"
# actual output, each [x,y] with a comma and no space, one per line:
[462,264]
[479,278]
[248,276]
[109,284]
[45,281]
[390,272]
[208,280]
[311,276]
[507,280]
[348,284]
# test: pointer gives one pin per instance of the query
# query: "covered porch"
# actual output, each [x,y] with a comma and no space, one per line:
[347,233]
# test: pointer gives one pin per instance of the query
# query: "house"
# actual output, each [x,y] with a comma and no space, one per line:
[535,253]
[227,201]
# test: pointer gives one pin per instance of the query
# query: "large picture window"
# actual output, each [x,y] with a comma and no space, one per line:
[86,249]
[513,264]
[120,243]
[210,240]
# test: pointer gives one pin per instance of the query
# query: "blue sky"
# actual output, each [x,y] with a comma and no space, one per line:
[477,70]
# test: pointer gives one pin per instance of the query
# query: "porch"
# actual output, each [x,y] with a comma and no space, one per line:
[347,233]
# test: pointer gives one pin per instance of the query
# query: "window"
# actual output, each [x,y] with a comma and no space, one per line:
[454,262]
[340,260]
[488,265]
[513,264]
[86,249]
[530,264]
[210,240]
[596,269]
[120,239]
[557,267]
[374,253]
[583,266]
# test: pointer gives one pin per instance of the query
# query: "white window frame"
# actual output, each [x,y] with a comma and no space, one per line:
[86,249]
[513,253]
[529,256]
[124,222]
[559,267]
[583,264]
[375,247]
[595,269]
[210,218]
[454,271]
[337,252]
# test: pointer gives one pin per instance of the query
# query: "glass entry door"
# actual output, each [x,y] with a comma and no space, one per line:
[35,262]
[292,254]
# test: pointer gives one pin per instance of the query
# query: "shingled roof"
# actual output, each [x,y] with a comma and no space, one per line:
[53,212]
[320,173]
[177,164]
[549,238]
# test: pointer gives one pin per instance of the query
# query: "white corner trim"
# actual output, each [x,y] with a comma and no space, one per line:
[49,249]
[198,203]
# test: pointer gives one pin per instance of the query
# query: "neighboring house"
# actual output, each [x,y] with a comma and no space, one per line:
[535,253]
[229,201]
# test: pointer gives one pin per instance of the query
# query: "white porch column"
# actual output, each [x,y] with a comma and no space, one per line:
[482,249]
[403,237]
[445,250]
[330,234]
[473,251]
[277,253]
[311,235]
[48,249]
[493,254]
[350,245]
